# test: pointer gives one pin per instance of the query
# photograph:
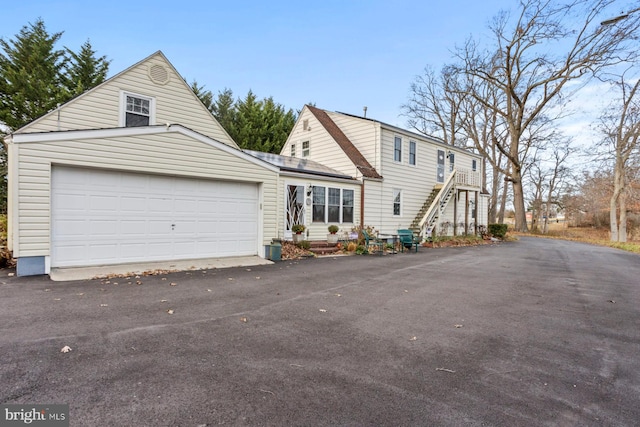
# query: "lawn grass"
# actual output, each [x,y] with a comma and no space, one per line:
[592,235]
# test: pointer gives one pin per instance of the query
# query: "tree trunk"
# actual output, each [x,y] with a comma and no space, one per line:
[622,224]
[614,204]
[518,202]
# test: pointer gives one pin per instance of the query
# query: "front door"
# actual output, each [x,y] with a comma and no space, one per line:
[441,166]
[295,208]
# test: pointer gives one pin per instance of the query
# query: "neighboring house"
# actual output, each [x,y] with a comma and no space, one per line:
[408,180]
[135,170]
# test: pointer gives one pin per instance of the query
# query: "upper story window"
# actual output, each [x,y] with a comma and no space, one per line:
[305,149]
[293,150]
[412,153]
[137,110]
[474,165]
[397,149]
[452,161]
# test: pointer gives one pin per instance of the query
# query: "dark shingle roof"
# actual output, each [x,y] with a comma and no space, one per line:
[345,143]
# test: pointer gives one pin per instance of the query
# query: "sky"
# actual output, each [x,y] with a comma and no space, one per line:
[341,55]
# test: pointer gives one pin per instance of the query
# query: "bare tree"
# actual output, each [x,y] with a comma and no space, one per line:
[620,125]
[520,66]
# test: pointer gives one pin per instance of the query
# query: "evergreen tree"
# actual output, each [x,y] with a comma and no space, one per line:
[224,110]
[83,70]
[31,71]
[205,96]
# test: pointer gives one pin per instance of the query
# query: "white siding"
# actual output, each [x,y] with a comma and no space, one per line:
[170,153]
[415,182]
[100,107]
[323,149]
[364,134]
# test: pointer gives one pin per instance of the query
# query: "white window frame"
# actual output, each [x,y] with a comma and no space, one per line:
[306,151]
[452,161]
[474,165]
[123,107]
[397,193]
[414,145]
[341,206]
[293,149]
[397,139]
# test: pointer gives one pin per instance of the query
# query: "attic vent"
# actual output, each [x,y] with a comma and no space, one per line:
[159,74]
[305,124]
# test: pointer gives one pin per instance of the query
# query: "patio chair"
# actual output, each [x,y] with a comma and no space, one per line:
[373,241]
[408,240]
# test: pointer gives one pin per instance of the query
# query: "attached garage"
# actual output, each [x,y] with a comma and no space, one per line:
[135,195]
[109,217]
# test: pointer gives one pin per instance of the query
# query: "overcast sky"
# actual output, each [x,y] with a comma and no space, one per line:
[340,54]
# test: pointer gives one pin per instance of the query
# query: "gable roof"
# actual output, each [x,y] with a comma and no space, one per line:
[117,83]
[295,164]
[344,143]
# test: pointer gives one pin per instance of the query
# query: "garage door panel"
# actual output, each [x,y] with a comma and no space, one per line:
[101,217]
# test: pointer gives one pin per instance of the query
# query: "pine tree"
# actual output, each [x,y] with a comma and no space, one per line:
[83,70]
[31,72]
[224,110]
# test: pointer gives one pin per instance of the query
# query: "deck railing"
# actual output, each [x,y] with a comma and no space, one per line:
[467,177]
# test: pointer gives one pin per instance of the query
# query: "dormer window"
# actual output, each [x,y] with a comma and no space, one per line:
[137,110]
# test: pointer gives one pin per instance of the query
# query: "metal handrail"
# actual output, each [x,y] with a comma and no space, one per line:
[431,212]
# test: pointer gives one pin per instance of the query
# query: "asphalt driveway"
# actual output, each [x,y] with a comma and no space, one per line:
[535,332]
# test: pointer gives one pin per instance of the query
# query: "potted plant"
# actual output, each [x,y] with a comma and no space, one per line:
[297,231]
[332,237]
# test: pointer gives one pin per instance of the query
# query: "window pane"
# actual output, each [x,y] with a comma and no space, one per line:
[334,213]
[397,149]
[293,150]
[134,120]
[412,153]
[347,205]
[396,202]
[318,204]
[334,196]
[347,214]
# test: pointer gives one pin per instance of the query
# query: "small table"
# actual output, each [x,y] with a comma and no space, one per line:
[393,237]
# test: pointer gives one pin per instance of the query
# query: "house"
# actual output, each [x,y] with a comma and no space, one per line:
[408,180]
[314,195]
[134,170]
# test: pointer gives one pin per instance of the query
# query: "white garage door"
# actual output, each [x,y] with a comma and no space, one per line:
[105,217]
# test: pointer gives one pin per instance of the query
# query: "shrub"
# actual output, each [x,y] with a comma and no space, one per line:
[298,228]
[333,229]
[361,250]
[352,246]
[305,244]
[498,230]
[6,259]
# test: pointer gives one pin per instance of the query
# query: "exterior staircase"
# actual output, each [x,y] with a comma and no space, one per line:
[434,207]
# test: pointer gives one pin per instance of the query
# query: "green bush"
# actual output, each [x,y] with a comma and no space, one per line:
[333,229]
[5,256]
[305,244]
[498,230]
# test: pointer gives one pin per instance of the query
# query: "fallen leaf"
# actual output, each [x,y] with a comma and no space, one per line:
[65,349]
[104,305]
[230,278]
[406,290]
[209,290]
[172,284]
[57,299]
[170,311]
[164,300]
[164,278]
[248,269]
[11,274]
[80,294]
[138,282]
[137,277]
[47,290]
[612,301]
[322,310]
[258,277]
[243,319]
[413,339]
[458,326]
[445,370]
